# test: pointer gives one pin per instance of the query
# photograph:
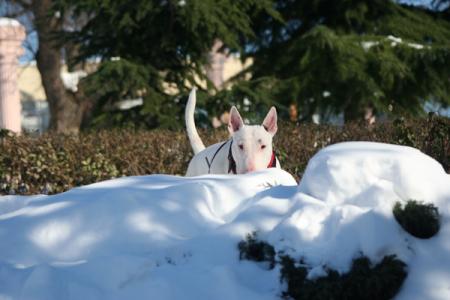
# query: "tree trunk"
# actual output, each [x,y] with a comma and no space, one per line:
[66,112]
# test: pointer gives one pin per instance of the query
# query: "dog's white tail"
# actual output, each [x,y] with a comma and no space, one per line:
[194,138]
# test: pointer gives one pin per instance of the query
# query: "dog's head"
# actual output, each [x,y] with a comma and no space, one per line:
[252,144]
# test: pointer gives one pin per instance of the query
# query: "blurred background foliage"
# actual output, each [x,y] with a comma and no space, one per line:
[324,58]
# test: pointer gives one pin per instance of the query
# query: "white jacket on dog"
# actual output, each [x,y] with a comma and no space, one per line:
[248,149]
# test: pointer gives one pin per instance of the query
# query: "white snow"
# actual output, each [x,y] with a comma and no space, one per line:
[344,207]
[416,46]
[129,103]
[369,44]
[71,79]
[394,41]
[169,237]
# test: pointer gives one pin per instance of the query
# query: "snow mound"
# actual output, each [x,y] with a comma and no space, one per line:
[168,237]
[162,237]
[343,209]
[363,172]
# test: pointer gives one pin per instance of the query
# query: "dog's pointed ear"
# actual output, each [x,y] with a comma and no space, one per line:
[270,122]
[235,123]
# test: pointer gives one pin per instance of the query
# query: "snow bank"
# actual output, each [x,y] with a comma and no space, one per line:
[343,208]
[162,237]
[167,237]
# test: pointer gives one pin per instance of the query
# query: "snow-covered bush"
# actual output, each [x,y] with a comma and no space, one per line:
[256,250]
[419,219]
[364,280]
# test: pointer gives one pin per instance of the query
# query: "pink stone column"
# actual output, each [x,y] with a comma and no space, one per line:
[11,36]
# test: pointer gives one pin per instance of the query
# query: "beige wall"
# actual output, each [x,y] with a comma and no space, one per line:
[233,66]
[30,85]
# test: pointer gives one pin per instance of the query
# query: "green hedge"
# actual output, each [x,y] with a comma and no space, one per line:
[55,163]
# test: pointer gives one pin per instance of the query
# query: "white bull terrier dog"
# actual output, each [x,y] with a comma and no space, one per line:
[248,149]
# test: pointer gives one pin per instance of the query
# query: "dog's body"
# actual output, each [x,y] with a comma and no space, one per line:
[248,149]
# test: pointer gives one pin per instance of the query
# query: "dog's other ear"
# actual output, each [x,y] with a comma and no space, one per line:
[270,122]
[235,123]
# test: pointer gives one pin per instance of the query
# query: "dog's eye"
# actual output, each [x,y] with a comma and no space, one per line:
[263,146]
[241,147]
